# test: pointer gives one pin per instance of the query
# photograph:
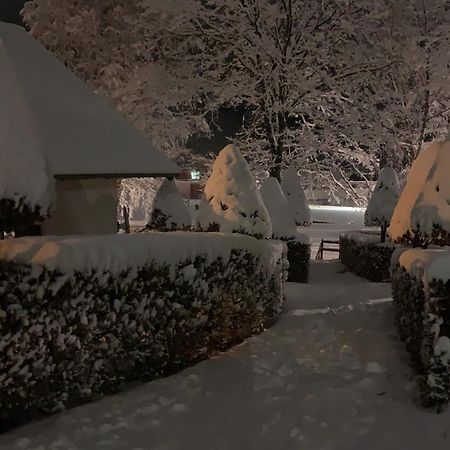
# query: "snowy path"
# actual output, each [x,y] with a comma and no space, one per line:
[330,375]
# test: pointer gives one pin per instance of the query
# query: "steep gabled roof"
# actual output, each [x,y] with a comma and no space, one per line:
[81,135]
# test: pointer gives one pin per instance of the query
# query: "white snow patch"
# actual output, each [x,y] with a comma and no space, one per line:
[442,349]
[374,367]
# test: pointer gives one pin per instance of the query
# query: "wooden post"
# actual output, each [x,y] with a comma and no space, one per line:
[126,219]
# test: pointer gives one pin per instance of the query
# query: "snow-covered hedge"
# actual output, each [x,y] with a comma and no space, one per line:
[298,255]
[80,316]
[421,293]
[363,254]
[231,201]
[169,212]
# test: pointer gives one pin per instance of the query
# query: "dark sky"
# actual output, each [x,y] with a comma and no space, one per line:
[10,10]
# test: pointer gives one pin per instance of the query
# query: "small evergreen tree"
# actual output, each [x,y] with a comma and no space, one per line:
[422,214]
[293,190]
[231,201]
[169,212]
[281,215]
[382,201]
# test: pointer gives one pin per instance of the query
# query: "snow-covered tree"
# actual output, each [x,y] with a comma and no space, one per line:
[292,188]
[26,186]
[105,43]
[231,201]
[399,109]
[281,215]
[169,212]
[284,61]
[382,201]
[342,84]
[422,214]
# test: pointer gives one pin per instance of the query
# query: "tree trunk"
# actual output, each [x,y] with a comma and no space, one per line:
[383,232]
[278,148]
[275,171]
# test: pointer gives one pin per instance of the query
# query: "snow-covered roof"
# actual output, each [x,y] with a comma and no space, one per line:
[81,134]
[24,176]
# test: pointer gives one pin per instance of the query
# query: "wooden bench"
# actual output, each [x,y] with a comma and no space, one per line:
[327,246]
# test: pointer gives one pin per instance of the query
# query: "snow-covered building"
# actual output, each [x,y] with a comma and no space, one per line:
[87,145]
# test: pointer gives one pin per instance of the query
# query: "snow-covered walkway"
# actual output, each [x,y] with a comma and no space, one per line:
[330,374]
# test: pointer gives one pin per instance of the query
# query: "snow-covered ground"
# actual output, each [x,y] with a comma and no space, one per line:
[331,374]
[333,220]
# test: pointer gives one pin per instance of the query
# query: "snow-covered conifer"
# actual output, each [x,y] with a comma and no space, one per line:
[293,190]
[383,200]
[26,187]
[231,201]
[169,211]
[422,214]
[281,215]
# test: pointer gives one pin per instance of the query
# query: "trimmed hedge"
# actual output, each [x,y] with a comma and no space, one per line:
[416,238]
[67,338]
[367,259]
[423,320]
[298,255]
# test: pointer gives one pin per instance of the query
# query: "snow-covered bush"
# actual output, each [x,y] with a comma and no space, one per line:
[383,200]
[284,228]
[292,188]
[421,294]
[422,214]
[231,202]
[362,254]
[169,212]
[79,317]
[26,187]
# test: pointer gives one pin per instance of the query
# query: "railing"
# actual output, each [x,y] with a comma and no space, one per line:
[323,248]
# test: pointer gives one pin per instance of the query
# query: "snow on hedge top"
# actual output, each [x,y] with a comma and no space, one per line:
[169,210]
[232,202]
[281,215]
[23,170]
[405,213]
[115,253]
[426,264]
[361,236]
[384,198]
[439,267]
[292,188]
